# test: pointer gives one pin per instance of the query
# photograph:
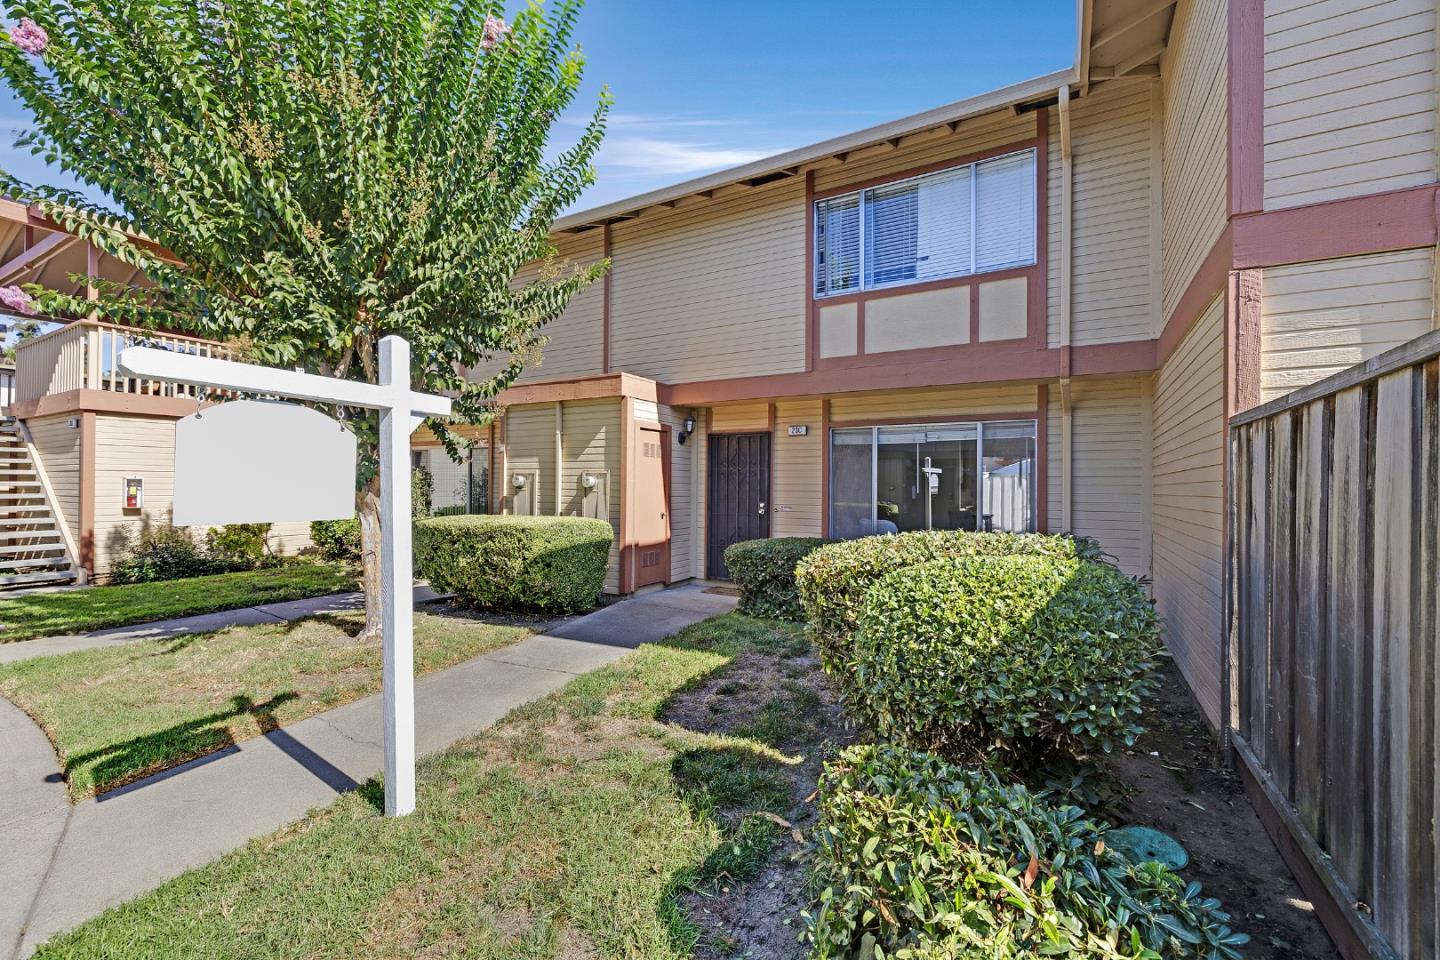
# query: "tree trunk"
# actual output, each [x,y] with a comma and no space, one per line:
[367,508]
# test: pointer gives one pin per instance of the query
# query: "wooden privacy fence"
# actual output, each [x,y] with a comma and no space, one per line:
[1334,559]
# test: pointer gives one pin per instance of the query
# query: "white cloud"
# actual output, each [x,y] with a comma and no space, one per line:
[671,157]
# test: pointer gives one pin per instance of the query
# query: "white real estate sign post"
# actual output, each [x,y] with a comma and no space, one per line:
[401,411]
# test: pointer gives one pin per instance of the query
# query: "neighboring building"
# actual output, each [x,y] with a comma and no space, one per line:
[1054,294]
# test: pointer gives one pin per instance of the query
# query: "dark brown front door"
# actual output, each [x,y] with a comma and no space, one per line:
[737,495]
[652,507]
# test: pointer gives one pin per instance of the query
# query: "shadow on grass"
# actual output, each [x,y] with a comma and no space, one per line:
[743,782]
[121,768]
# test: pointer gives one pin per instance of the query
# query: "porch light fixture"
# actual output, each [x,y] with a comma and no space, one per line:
[519,481]
[688,427]
[589,481]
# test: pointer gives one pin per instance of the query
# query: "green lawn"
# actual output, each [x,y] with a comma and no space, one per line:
[80,611]
[117,714]
[579,827]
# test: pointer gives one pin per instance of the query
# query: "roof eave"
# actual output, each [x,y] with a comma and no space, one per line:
[959,110]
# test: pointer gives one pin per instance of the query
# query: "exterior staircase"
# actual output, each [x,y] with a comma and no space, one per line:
[32,545]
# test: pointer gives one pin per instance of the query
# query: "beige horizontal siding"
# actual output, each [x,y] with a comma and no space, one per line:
[1195,141]
[1188,504]
[1349,98]
[1110,477]
[1319,318]
[713,291]
[131,447]
[750,416]
[961,402]
[58,445]
[797,509]
[574,340]
[1111,243]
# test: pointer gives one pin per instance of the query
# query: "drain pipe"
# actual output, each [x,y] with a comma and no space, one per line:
[1066,424]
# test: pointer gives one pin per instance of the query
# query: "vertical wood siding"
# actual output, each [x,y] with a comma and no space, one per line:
[1111,478]
[1195,138]
[1111,246]
[682,496]
[1349,98]
[530,448]
[590,443]
[1336,499]
[713,291]
[796,486]
[1319,318]
[1187,504]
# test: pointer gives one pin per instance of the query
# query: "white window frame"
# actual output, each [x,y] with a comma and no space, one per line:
[863,193]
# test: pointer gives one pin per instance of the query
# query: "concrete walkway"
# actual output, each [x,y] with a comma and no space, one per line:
[281,612]
[64,864]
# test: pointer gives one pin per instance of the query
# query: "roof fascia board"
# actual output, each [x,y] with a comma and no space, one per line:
[847,143]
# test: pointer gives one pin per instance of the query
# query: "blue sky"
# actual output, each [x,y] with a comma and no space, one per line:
[704,84]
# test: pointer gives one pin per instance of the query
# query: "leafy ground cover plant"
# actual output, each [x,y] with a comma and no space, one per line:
[547,564]
[1024,660]
[922,860]
[834,579]
[764,571]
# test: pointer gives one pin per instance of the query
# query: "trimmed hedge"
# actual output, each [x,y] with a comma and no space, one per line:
[764,570]
[834,580]
[544,564]
[920,859]
[1013,659]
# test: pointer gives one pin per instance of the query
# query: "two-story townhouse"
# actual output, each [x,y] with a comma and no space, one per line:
[1030,310]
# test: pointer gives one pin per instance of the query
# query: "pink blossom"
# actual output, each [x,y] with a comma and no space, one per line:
[17,299]
[495,31]
[29,36]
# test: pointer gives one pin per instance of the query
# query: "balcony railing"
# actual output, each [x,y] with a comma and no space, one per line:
[82,356]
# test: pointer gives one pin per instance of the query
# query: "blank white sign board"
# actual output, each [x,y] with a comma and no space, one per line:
[260,461]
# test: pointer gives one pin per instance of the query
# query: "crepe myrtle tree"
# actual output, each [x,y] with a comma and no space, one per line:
[305,177]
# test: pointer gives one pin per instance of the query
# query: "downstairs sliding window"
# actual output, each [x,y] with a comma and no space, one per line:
[955,476]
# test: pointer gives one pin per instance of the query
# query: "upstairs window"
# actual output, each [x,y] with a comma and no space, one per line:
[971,219]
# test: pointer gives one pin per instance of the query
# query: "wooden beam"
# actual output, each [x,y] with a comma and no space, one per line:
[1144,56]
[35,257]
[1146,72]
[1131,22]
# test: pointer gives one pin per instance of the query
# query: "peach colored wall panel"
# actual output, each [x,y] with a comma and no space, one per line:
[1003,309]
[910,321]
[839,323]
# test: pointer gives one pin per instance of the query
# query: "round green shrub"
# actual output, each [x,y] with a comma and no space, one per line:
[170,553]
[833,580]
[1024,660]
[338,541]
[544,564]
[919,859]
[764,570]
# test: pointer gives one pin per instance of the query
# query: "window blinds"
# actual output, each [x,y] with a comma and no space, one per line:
[967,219]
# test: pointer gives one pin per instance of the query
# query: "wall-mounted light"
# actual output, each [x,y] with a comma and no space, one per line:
[589,481]
[687,428]
[518,481]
